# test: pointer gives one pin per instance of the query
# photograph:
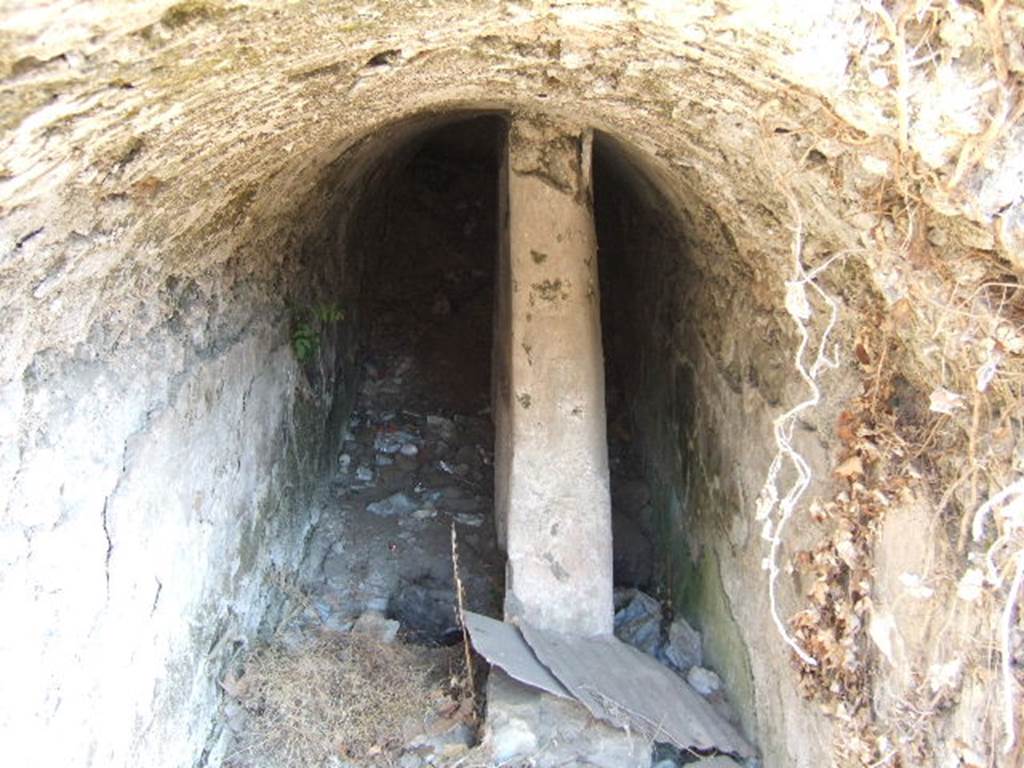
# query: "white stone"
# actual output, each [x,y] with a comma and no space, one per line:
[513,739]
[525,725]
[703,681]
[395,504]
[469,518]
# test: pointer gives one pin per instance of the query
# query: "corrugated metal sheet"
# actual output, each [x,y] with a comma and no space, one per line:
[615,682]
[502,645]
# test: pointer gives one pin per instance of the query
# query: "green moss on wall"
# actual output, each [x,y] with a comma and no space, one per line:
[693,588]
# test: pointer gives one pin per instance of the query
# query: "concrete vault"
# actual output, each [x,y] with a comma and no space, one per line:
[755,246]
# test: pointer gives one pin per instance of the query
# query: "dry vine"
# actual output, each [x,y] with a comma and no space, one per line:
[973,306]
[772,510]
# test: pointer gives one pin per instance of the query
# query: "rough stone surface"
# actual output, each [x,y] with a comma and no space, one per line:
[684,645]
[525,725]
[638,623]
[704,681]
[174,178]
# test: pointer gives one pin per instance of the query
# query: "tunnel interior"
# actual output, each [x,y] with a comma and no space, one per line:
[430,283]
[415,453]
[426,234]
[251,379]
[344,391]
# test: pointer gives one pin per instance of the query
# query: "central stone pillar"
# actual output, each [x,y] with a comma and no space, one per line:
[551,465]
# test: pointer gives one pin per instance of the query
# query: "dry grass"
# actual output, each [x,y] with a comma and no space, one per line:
[340,696]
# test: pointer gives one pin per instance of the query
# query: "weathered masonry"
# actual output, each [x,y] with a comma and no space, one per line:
[787,290]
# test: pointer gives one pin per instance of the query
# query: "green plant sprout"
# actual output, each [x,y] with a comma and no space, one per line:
[307,333]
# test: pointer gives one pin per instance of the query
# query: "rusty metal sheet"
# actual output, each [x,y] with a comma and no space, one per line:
[502,645]
[629,689]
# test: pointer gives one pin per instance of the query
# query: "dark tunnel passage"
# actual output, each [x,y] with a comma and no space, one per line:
[430,273]
[416,463]
[428,238]
[426,234]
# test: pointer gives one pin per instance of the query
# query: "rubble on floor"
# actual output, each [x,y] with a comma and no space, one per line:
[639,621]
[529,727]
[360,675]
[378,586]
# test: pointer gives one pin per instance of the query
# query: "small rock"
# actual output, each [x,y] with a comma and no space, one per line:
[344,462]
[703,681]
[391,442]
[376,626]
[409,449]
[383,460]
[426,610]
[525,727]
[639,623]
[514,739]
[468,518]
[684,648]
[445,427]
[395,504]
[425,513]
[453,469]
[452,742]
[364,475]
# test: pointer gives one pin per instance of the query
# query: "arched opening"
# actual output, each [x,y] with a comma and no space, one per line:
[214,252]
[413,411]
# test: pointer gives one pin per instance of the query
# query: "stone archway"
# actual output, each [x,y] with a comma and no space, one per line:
[176,179]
